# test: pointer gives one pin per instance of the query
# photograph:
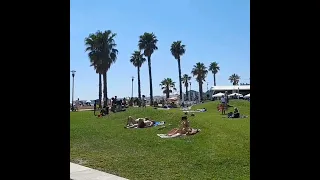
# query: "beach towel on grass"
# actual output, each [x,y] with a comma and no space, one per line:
[159,123]
[155,124]
[198,110]
[163,108]
[186,108]
[194,131]
[193,111]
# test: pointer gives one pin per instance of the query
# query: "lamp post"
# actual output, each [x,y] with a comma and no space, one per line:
[73,74]
[208,94]
[132,78]
[190,92]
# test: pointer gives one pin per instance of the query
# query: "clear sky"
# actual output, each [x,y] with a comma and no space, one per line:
[212,30]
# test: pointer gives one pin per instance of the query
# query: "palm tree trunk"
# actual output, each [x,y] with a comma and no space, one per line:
[167,92]
[100,90]
[187,91]
[105,95]
[139,84]
[200,90]
[180,83]
[214,79]
[150,80]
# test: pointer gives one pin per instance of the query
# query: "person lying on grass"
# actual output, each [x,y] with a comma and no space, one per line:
[140,122]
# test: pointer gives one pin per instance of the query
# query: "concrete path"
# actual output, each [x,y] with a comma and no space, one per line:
[78,172]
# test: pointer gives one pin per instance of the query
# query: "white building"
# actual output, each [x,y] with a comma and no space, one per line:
[242,89]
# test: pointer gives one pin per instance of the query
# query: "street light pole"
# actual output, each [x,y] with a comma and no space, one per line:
[208,94]
[132,78]
[190,92]
[73,74]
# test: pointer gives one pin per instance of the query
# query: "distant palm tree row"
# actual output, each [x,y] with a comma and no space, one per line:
[102,52]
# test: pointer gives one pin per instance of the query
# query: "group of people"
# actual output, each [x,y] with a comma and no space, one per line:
[223,106]
[146,122]
[116,105]
[103,111]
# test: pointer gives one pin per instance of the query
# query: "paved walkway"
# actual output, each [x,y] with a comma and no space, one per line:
[78,172]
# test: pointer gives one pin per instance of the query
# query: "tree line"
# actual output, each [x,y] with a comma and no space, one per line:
[102,52]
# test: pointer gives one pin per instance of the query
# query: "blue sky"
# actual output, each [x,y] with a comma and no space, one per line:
[212,30]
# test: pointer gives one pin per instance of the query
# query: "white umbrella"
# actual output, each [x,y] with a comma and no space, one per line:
[218,95]
[235,94]
[247,96]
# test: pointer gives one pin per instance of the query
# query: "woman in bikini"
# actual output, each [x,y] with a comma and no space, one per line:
[184,127]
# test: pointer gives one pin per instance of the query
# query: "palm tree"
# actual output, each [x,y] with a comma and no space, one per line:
[200,70]
[93,54]
[177,50]
[185,80]
[102,54]
[214,68]
[148,43]
[108,52]
[167,85]
[234,79]
[137,60]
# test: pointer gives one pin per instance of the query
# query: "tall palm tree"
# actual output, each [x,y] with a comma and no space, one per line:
[214,68]
[137,60]
[167,85]
[93,54]
[185,80]
[102,54]
[148,43]
[177,50]
[108,52]
[234,79]
[200,71]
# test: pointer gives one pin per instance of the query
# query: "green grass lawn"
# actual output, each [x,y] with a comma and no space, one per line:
[220,151]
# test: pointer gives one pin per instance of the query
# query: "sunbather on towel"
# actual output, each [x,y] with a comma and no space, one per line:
[202,110]
[140,122]
[184,129]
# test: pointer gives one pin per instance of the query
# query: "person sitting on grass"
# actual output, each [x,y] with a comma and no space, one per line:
[183,129]
[235,114]
[104,111]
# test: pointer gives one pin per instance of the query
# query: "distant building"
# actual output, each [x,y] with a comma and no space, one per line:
[242,89]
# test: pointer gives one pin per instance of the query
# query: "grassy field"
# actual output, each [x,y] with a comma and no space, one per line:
[220,151]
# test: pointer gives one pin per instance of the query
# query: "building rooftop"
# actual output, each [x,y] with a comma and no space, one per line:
[228,88]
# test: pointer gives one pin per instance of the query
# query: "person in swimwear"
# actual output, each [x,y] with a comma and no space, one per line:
[184,127]
[140,122]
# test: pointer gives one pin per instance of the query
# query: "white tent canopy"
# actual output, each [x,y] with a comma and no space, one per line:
[218,95]
[247,96]
[235,94]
